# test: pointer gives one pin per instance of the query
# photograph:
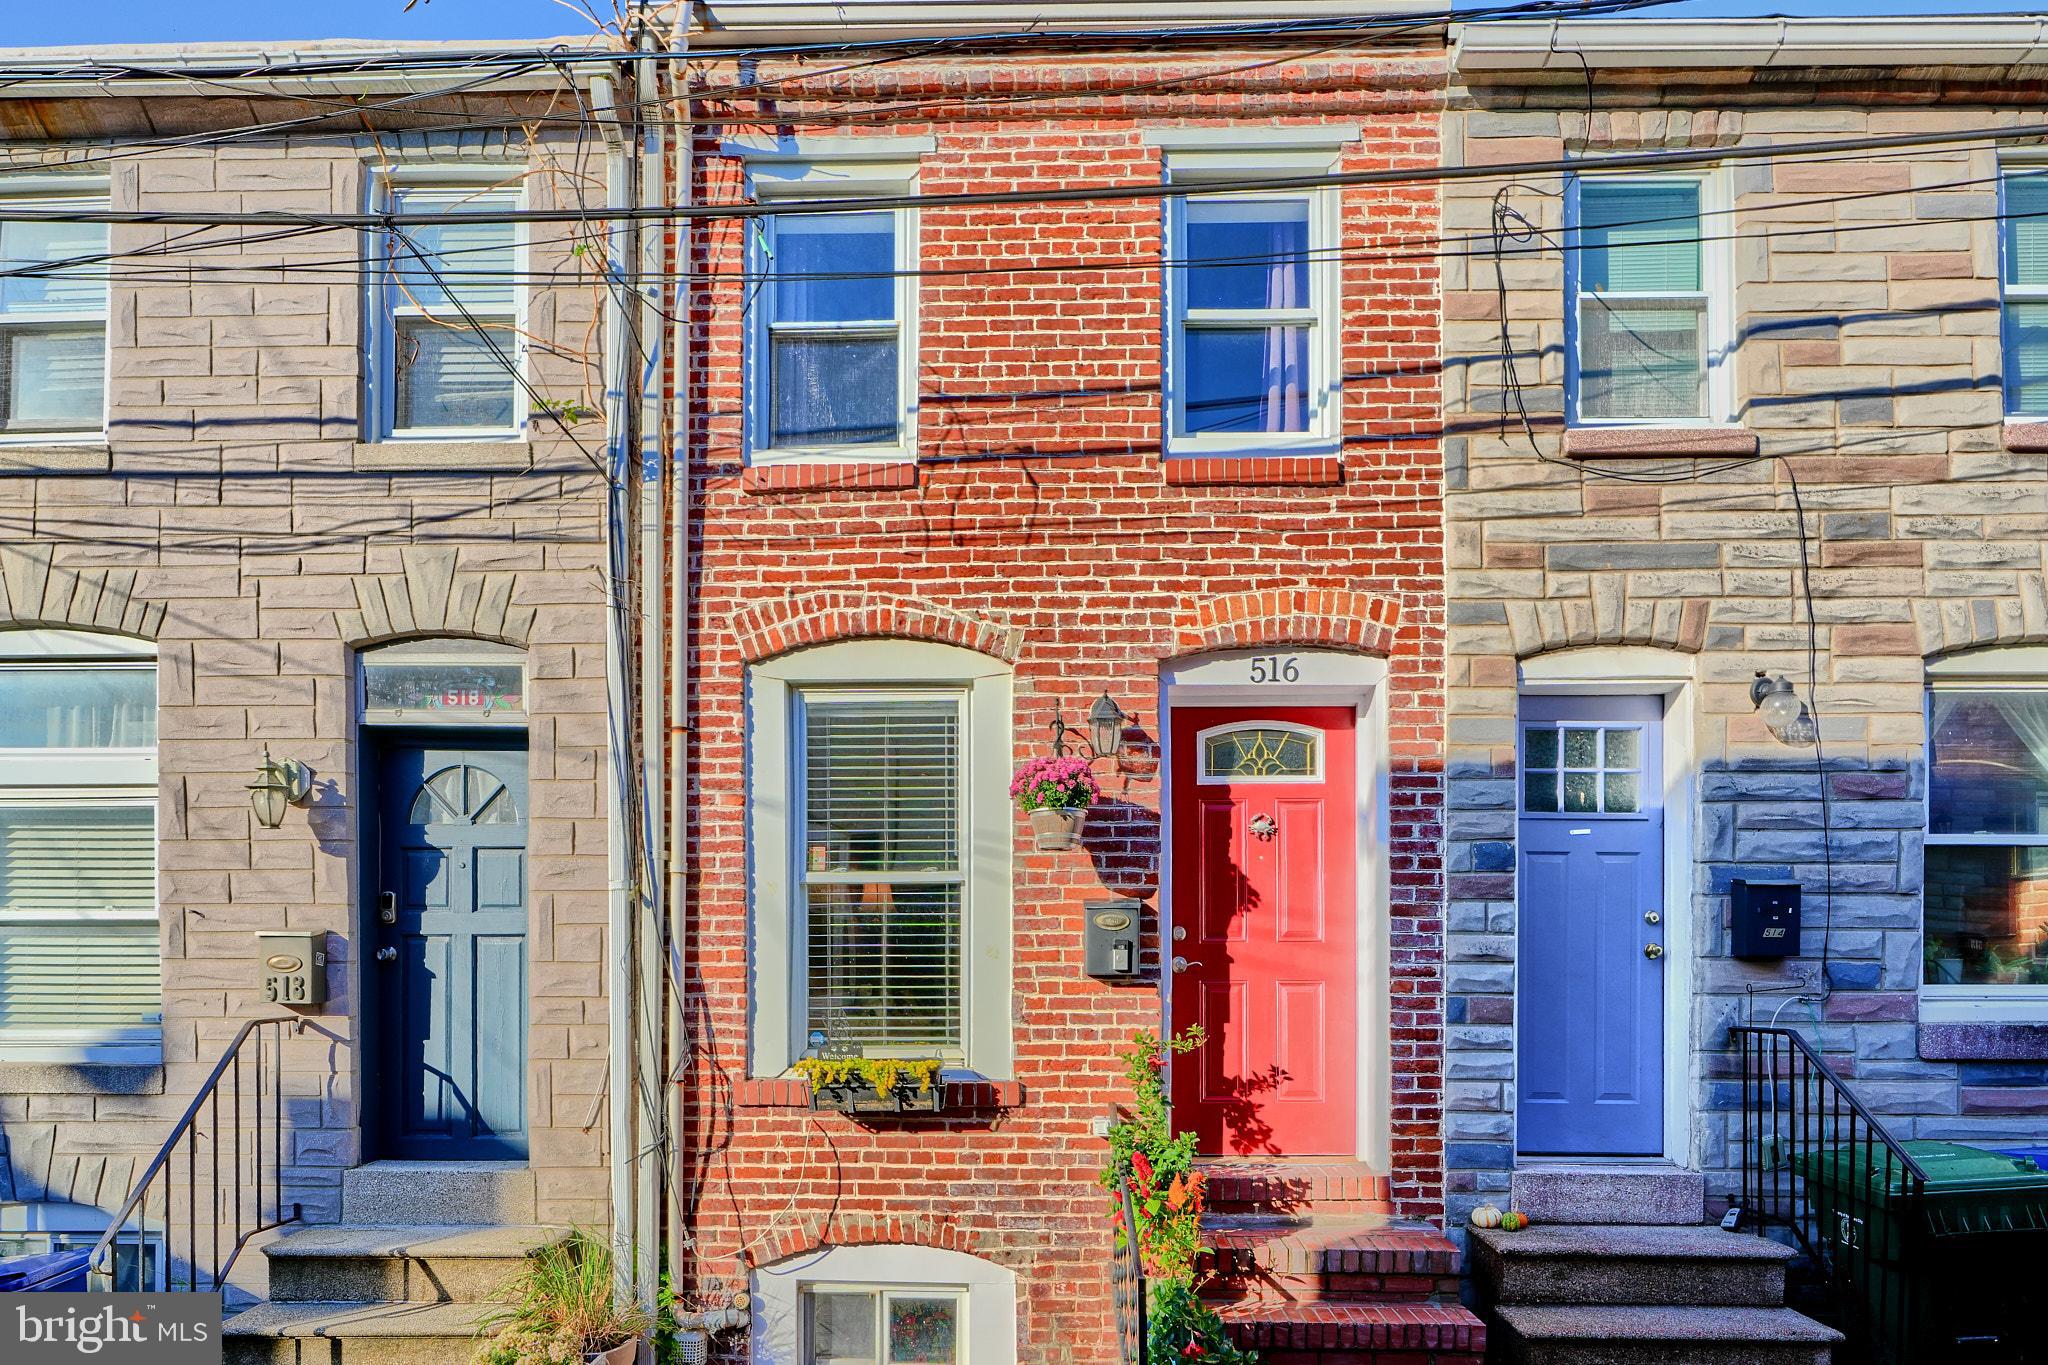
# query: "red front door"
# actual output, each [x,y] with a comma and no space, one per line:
[1264,820]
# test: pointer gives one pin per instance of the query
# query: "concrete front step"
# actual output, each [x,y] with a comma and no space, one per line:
[376,1264]
[1357,1333]
[1293,1186]
[438,1193]
[1605,1264]
[1534,1334]
[1366,1258]
[1657,1195]
[353,1334]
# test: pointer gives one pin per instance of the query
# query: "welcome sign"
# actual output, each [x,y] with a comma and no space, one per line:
[110,1329]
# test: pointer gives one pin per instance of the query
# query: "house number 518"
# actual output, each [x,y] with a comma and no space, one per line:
[1274,668]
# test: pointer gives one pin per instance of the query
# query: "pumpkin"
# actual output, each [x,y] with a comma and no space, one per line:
[1511,1221]
[1486,1216]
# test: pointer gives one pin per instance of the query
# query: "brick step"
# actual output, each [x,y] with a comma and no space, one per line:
[1364,1333]
[1294,1186]
[1534,1334]
[353,1334]
[1601,1264]
[1366,1258]
[377,1264]
[1606,1194]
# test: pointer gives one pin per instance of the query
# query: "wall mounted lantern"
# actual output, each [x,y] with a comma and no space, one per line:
[278,785]
[1784,715]
[1106,722]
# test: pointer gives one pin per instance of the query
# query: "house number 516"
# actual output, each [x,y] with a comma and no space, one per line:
[1274,668]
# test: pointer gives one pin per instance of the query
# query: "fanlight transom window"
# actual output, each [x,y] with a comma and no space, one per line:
[1269,753]
[463,795]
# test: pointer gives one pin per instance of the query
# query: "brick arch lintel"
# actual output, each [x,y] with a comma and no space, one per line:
[35,591]
[432,598]
[1607,618]
[817,1233]
[1947,625]
[1331,618]
[767,629]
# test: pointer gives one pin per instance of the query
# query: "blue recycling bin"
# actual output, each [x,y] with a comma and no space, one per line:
[58,1272]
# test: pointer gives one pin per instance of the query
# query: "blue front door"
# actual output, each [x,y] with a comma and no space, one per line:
[1589,1013]
[447,979]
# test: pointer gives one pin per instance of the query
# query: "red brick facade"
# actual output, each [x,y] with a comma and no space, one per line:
[1041,528]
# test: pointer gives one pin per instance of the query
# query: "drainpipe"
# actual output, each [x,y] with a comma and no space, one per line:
[620,373]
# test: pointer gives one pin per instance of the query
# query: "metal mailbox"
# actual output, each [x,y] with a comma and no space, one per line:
[1110,939]
[1763,919]
[294,967]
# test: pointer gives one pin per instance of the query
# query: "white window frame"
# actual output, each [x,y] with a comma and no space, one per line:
[1193,161]
[60,1225]
[775,795]
[387,303]
[836,169]
[988,1313]
[883,1293]
[2010,165]
[1716,292]
[101,777]
[57,192]
[2015,669]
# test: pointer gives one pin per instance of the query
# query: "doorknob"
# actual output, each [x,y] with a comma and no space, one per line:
[1181,964]
[387,954]
[1653,951]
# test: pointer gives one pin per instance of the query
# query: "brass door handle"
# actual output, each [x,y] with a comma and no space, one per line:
[1653,951]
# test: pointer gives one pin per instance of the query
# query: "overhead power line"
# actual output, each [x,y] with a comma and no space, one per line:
[796,206]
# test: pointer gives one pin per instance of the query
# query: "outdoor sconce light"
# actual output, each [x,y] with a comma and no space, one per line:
[278,785]
[1106,721]
[1784,715]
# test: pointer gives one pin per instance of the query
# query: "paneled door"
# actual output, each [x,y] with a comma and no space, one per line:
[1589,1010]
[447,979]
[1265,941]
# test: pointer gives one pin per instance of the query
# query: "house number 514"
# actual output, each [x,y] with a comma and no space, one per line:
[1275,668]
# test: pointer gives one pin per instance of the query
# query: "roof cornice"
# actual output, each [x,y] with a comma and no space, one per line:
[1707,44]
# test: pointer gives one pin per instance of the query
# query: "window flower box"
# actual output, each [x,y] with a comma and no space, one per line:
[873,1085]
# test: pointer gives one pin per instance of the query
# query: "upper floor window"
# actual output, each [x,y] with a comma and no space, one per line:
[1647,323]
[53,323]
[447,342]
[1252,297]
[79,972]
[2023,248]
[833,364]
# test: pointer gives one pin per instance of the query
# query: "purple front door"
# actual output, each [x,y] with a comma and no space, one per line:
[1589,1008]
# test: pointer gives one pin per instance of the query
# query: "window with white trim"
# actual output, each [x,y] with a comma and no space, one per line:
[880,830]
[1646,318]
[1251,301]
[39,1228]
[1986,871]
[847,1325]
[53,323]
[2023,271]
[833,364]
[80,978]
[447,339]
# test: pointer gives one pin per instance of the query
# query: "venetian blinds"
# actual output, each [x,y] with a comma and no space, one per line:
[2026,291]
[1642,307]
[883,871]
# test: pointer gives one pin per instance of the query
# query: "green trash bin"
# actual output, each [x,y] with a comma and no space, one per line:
[1955,1277]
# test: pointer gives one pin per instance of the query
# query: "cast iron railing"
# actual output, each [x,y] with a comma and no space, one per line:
[1819,1165]
[223,1172]
[1127,1284]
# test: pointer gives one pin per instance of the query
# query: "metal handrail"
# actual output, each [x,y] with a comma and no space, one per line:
[1840,1089]
[188,1132]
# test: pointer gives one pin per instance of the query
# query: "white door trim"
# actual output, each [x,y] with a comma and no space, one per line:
[1319,677]
[1644,671]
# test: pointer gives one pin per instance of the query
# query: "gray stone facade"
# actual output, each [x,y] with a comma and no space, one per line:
[1866,364]
[238,517]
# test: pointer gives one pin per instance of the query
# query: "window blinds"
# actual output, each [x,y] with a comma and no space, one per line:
[2026,292]
[884,875]
[1642,345]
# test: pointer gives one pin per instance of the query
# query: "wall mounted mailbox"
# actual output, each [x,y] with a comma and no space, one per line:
[1110,939]
[1763,919]
[294,967]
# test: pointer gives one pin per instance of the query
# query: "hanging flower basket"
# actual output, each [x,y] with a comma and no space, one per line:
[1055,791]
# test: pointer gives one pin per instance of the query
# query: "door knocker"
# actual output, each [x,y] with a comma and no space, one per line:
[1264,826]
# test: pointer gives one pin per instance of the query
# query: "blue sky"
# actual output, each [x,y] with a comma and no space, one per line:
[31,22]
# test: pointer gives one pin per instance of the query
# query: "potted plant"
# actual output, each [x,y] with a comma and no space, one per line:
[564,1305]
[874,1085]
[1055,791]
